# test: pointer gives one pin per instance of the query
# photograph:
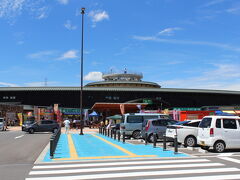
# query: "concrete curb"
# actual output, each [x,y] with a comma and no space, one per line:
[42,155]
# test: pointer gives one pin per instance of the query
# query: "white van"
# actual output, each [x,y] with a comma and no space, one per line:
[219,132]
[132,122]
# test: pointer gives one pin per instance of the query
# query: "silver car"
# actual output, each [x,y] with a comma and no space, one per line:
[157,126]
[132,122]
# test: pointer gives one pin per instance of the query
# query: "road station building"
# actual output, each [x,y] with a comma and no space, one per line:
[119,88]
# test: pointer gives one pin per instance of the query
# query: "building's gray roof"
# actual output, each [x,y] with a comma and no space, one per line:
[123,82]
[118,89]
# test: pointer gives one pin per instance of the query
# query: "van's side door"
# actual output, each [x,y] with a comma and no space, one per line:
[231,133]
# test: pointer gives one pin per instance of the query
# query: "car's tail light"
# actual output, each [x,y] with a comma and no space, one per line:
[211,132]
[147,126]
[179,127]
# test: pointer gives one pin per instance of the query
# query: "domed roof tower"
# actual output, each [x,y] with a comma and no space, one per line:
[122,80]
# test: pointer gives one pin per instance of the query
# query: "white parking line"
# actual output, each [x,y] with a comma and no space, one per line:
[230,159]
[18,137]
[225,154]
[124,168]
[121,163]
[218,177]
[137,174]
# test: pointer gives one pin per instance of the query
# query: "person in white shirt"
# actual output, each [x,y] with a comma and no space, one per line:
[67,125]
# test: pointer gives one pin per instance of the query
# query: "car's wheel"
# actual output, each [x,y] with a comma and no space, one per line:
[219,146]
[136,134]
[31,131]
[55,130]
[205,147]
[190,141]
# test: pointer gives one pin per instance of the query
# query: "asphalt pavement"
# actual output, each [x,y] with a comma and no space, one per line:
[18,152]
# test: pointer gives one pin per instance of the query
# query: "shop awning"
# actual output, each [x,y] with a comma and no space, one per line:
[118,108]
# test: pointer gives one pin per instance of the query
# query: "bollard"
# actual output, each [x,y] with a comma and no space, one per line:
[145,138]
[154,140]
[175,144]
[119,135]
[123,137]
[115,133]
[111,133]
[164,142]
[108,132]
[105,131]
[51,148]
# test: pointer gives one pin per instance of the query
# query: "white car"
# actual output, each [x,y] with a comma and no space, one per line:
[219,132]
[186,132]
[2,124]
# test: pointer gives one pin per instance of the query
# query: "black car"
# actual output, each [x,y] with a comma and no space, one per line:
[27,123]
[42,126]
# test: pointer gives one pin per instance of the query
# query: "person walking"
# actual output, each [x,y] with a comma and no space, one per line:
[67,125]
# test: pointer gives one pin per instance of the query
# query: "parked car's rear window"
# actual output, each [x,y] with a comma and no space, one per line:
[192,124]
[134,119]
[163,122]
[182,122]
[205,123]
[165,117]
[149,117]
[229,124]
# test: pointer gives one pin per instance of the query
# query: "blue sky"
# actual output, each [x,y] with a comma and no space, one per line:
[176,43]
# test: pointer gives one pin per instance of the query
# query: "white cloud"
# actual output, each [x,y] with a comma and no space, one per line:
[3,84]
[9,9]
[221,77]
[41,54]
[169,31]
[71,54]
[235,10]
[188,42]
[42,12]
[212,3]
[97,16]
[39,84]
[63,1]
[69,25]
[93,76]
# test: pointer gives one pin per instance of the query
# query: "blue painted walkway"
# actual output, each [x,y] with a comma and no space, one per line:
[97,146]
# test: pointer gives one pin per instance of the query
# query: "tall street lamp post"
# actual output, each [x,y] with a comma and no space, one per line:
[81,90]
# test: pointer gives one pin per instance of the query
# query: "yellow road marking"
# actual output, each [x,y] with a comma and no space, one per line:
[104,157]
[116,146]
[72,149]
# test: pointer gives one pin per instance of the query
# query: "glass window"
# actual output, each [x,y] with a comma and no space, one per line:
[229,124]
[205,123]
[156,123]
[165,117]
[134,119]
[192,124]
[150,117]
[218,123]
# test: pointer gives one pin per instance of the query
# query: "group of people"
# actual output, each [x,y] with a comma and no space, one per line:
[70,124]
